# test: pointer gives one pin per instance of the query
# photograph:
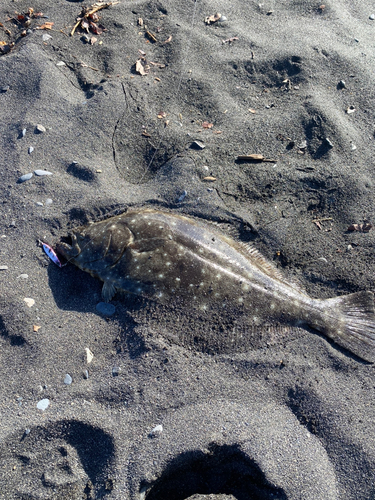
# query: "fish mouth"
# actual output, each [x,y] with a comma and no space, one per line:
[69,251]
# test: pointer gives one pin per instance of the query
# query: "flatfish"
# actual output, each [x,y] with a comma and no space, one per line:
[173,259]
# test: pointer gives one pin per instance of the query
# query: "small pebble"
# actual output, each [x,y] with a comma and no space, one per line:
[39,203]
[23,276]
[372,17]
[40,129]
[3,268]
[85,38]
[115,371]
[342,84]
[182,197]
[303,145]
[46,37]
[5,88]
[156,431]
[60,63]
[354,147]
[349,248]
[222,19]
[49,201]
[86,374]
[43,404]
[30,150]
[198,145]
[24,178]
[27,432]
[68,379]
[105,309]
[23,133]
[42,172]
[29,302]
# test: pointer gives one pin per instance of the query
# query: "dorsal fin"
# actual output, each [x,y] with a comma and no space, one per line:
[260,261]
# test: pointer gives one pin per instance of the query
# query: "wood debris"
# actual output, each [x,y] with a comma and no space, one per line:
[89,16]
[212,19]
[151,37]
[46,26]
[230,40]
[209,178]
[255,158]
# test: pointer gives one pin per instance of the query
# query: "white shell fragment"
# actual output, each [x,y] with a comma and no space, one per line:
[30,150]
[89,355]
[29,302]
[43,404]
[156,431]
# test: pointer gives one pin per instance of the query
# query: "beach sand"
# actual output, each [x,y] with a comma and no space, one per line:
[290,420]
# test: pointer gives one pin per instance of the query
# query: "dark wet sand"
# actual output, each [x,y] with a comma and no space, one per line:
[294,420]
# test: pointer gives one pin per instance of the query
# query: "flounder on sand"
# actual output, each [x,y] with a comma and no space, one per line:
[169,258]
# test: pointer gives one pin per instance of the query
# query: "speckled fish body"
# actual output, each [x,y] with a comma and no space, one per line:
[169,257]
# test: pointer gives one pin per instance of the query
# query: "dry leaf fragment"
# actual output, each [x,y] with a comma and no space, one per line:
[142,52]
[212,19]
[46,26]
[217,131]
[207,125]
[146,134]
[362,228]
[209,178]
[169,39]
[252,111]
[36,328]
[140,22]
[93,40]
[162,114]
[139,67]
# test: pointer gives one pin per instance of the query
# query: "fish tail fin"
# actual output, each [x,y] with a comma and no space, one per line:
[350,323]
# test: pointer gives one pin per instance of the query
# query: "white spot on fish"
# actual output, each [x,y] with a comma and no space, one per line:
[168,263]
[240,300]
[178,279]
[161,275]
[218,276]
[272,305]
[245,287]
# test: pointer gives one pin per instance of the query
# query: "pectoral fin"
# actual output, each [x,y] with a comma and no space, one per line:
[108,291]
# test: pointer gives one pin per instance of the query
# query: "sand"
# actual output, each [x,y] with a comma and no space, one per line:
[292,420]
